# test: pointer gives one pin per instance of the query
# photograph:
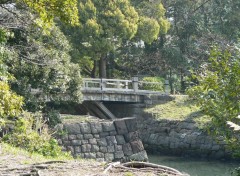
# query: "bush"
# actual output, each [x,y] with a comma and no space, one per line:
[53,117]
[154,87]
[26,135]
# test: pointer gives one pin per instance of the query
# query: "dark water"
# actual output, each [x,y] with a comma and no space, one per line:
[196,167]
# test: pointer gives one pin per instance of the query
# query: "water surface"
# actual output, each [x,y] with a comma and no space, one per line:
[196,167]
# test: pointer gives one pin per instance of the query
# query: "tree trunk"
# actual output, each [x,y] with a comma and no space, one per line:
[102,67]
[93,72]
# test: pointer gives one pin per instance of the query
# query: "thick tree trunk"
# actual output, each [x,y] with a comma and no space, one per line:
[102,67]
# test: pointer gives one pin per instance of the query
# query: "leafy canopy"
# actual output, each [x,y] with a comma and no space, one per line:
[218,92]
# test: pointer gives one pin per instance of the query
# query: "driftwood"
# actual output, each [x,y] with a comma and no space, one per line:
[143,167]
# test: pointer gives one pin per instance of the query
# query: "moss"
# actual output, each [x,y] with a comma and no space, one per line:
[182,108]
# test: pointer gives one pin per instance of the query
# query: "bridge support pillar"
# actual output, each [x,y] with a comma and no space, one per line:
[135,83]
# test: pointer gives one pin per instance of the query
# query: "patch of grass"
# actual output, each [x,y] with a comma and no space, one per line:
[182,108]
[6,149]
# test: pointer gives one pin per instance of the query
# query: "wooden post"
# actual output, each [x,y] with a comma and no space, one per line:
[167,89]
[135,83]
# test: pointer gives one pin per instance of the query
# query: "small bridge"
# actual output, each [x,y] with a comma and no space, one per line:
[97,89]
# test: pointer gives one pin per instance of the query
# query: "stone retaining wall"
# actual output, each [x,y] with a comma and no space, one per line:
[182,138]
[103,140]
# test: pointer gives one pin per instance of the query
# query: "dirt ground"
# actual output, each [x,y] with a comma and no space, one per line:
[17,163]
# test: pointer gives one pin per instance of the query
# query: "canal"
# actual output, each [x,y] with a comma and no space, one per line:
[196,167]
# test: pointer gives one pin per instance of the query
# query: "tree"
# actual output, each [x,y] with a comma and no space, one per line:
[218,92]
[105,26]
[45,11]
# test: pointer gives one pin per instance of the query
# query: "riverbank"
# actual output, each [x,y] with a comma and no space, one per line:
[15,162]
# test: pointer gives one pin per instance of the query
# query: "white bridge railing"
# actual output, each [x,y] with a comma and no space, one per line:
[120,85]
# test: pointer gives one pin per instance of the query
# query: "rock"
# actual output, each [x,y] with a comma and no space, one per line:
[121,126]
[72,137]
[76,142]
[131,136]
[127,149]
[120,139]
[96,127]
[85,128]
[77,149]
[102,142]
[79,136]
[103,149]
[137,146]
[95,148]
[118,147]
[141,156]
[86,148]
[90,155]
[88,136]
[131,124]
[119,154]
[109,156]
[104,134]
[100,155]
[72,128]
[111,149]
[93,141]
[108,126]
[111,140]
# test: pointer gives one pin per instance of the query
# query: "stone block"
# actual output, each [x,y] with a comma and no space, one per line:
[76,142]
[104,134]
[72,137]
[71,149]
[72,128]
[66,143]
[118,147]
[96,127]
[87,136]
[85,128]
[121,126]
[103,149]
[90,155]
[111,140]
[86,148]
[137,146]
[60,142]
[95,148]
[77,149]
[92,141]
[131,124]
[102,142]
[132,136]
[215,147]
[120,140]
[97,136]
[109,156]
[108,126]
[111,149]
[141,156]
[112,133]
[127,149]
[100,159]
[64,137]
[79,136]
[85,142]
[119,154]
[99,155]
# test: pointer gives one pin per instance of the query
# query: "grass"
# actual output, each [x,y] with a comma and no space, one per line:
[182,108]
[28,158]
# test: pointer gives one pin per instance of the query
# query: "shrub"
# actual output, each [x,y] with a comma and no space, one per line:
[26,135]
[159,86]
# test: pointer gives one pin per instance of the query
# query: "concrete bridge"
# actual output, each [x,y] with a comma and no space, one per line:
[97,92]
[95,89]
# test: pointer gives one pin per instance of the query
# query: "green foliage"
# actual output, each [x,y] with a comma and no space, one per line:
[53,117]
[26,135]
[218,92]
[43,63]
[157,83]
[47,10]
